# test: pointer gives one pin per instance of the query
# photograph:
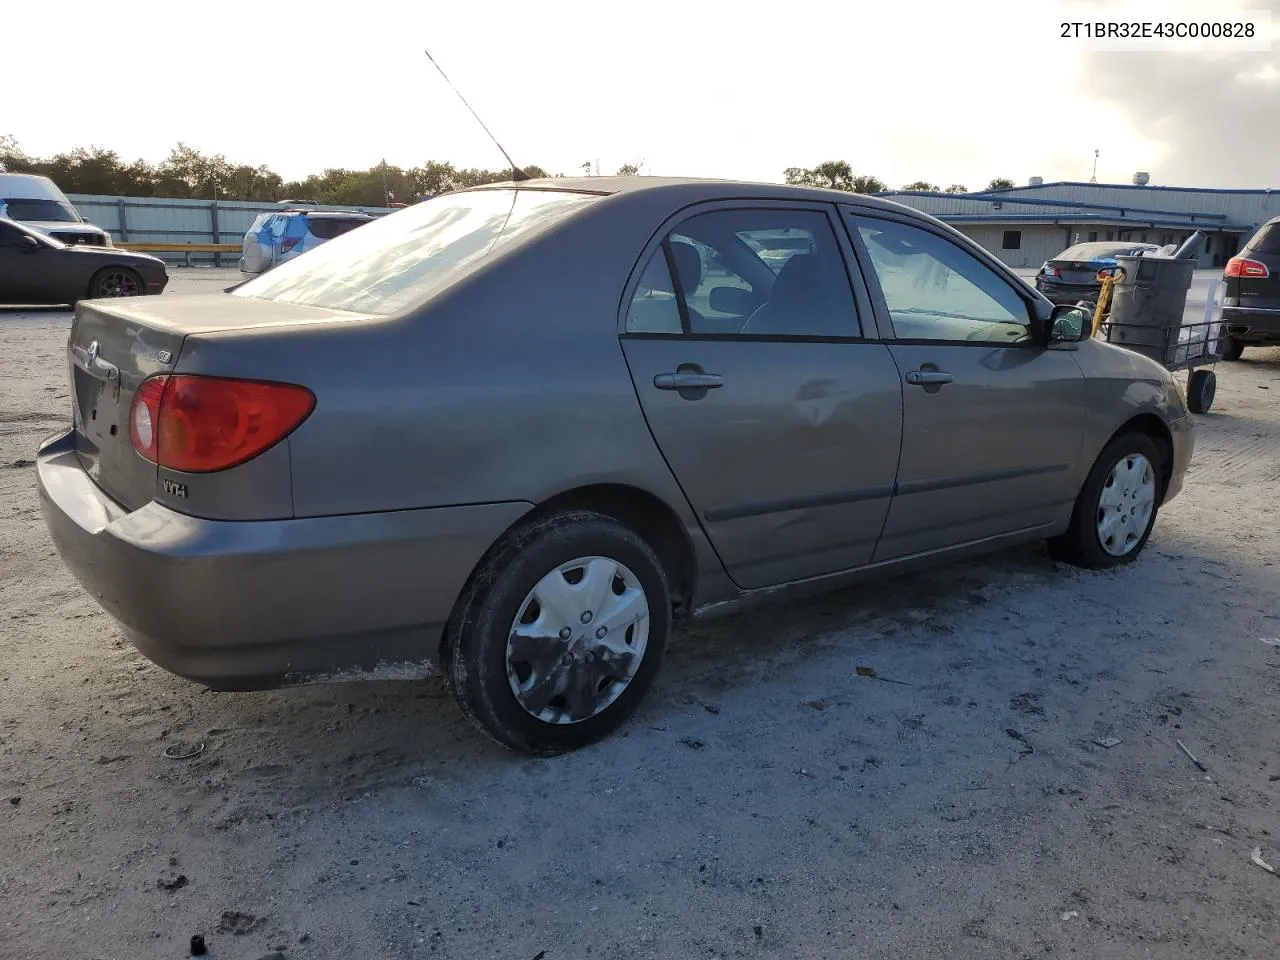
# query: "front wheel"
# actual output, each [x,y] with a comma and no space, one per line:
[115,282]
[559,633]
[1117,506]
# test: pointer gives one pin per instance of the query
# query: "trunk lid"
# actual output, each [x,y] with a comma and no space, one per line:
[116,344]
[108,355]
[1077,271]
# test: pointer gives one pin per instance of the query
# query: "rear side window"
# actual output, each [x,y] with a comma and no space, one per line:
[404,258]
[653,307]
[770,273]
[326,228]
[1266,240]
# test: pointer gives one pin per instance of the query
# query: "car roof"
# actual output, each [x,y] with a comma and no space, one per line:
[694,189]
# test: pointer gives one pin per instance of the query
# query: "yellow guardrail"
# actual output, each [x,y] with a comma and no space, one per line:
[181,247]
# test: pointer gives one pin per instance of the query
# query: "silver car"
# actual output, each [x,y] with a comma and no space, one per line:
[520,431]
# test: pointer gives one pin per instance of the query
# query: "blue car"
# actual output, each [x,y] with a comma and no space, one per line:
[1072,275]
[276,237]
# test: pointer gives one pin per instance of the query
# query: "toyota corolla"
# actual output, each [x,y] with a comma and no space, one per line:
[519,431]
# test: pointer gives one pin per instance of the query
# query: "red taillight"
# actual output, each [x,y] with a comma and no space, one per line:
[1244,267]
[288,243]
[1051,271]
[201,424]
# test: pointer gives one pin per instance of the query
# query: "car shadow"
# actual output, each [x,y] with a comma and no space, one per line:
[328,743]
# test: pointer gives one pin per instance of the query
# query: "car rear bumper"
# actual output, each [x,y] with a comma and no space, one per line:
[254,605]
[1258,324]
[1068,292]
[1183,434]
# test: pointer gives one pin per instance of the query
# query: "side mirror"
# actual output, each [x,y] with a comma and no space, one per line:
[735,300]
[29,243]
[1069,324]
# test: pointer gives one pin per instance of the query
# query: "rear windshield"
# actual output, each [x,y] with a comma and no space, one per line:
[326,228]
[400,260]
[22,208]
[1102,251]
[1266,240]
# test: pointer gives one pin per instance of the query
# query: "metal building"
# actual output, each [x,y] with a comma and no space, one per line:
[1024,226]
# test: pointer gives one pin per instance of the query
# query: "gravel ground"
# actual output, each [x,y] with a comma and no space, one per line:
[765,802]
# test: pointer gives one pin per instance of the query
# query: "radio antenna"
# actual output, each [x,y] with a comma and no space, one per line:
[516,173]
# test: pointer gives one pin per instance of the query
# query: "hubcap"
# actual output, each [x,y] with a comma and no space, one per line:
[577,640]
[1124,508]
[119,285]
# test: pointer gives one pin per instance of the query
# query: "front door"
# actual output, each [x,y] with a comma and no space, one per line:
[779,420]
[18,267]
[992,417]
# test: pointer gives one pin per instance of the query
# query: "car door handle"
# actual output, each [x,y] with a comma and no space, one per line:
[688,381]
[926,378]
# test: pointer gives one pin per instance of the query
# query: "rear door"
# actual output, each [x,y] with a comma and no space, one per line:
[992,418]
[1253,287]
[762,383]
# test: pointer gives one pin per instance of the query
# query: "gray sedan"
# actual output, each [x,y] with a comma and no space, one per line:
[521,431]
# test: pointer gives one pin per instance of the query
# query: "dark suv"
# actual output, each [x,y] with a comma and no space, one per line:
[1251,303]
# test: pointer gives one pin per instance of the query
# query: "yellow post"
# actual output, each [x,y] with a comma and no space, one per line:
[1104,298]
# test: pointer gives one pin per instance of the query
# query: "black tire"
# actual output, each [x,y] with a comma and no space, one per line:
[116,282]
[1233,349]
[474,653]
[1081,545]
[1201,387]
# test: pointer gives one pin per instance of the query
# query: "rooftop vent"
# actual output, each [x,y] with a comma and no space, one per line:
[1141,178]
[1036,182]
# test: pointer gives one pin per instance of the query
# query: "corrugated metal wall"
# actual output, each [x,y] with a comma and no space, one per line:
[1250,208]
[1038,242]
[148,220]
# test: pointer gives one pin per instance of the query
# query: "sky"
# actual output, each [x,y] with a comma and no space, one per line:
[906,90]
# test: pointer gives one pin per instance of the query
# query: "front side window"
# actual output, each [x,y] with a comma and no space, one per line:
[401,260]
[768,272]
[934,290]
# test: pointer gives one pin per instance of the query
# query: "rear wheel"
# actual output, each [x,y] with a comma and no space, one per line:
[1117,506]
[1233,349]
[1201,387]
[559,633]
[115,282]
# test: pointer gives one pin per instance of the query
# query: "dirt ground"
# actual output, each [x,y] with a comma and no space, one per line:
[765,802]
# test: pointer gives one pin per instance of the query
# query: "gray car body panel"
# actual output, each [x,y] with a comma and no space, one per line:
[513,387]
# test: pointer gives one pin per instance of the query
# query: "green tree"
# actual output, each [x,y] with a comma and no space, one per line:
[831,174]
[628,170]
[957,188]
[1000,183]
[868,184]
[923,185]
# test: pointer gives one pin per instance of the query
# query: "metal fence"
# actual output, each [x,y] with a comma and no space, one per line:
[195,222]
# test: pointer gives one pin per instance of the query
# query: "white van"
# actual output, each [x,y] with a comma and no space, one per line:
[38,203]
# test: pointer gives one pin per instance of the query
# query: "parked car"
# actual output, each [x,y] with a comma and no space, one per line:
[492,432]
[37,269]
[276,237]
[1072,276]
[38,203]
[1251,300]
